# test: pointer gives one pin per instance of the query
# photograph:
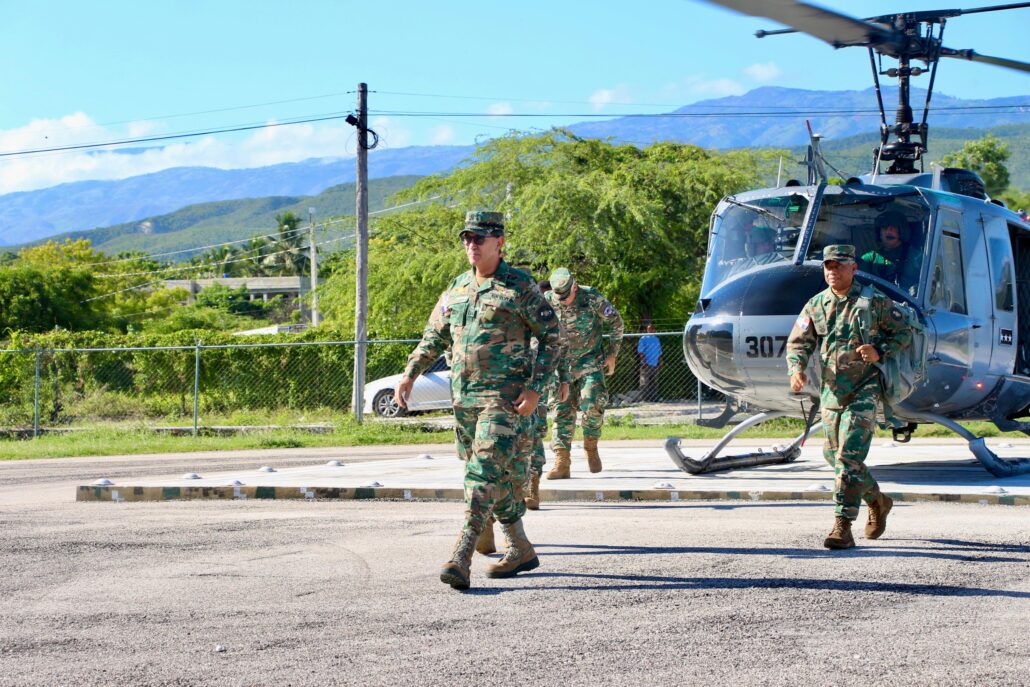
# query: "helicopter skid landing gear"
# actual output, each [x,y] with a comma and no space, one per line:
[999,467]
[709,462]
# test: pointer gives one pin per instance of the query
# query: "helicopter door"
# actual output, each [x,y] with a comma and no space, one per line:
[952,294]
[999,251]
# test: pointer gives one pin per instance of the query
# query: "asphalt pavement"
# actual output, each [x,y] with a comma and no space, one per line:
[315,592]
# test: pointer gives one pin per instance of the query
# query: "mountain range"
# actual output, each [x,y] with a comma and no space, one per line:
[763,117]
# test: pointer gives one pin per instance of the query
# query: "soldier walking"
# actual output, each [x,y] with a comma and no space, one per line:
[832,322]
[486,317]
[584,314]
[557,390]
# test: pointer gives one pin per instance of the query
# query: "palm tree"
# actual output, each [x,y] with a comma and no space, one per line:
[290,254]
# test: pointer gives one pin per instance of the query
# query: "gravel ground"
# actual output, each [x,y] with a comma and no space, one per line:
[291,593]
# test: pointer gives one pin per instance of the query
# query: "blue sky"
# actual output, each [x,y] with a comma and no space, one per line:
[76,72]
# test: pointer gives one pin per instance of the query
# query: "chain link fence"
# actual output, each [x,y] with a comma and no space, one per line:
[303,384]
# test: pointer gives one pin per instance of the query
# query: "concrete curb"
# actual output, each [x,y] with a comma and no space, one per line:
[130,493]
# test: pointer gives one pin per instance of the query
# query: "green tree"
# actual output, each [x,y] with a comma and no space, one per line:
[290,251]
[987,158]
[630,221]
[36,300]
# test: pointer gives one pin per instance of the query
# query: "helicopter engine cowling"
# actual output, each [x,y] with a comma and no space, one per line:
[736,339]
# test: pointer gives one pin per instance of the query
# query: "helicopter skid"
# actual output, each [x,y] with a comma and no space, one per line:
[710,462]
[999,467]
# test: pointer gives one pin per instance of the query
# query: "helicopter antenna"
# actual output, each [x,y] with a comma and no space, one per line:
[815,156]
[899,36]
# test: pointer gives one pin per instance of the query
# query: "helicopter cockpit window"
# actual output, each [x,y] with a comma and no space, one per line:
[747,235]
[947,285]
[889,236]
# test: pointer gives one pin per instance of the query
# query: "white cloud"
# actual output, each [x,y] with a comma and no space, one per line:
[764,72]
[441,135]
[603,97]
[267,146]
[500,109]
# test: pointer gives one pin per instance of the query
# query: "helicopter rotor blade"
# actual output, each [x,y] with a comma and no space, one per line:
[839,30]
[977,57]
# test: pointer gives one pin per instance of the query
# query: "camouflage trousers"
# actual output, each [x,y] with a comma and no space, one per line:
[589,396]
[849,432]
[487,438]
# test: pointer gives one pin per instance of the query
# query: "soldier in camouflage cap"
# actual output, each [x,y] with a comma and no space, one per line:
[832,326]
[487,318]
[584,314]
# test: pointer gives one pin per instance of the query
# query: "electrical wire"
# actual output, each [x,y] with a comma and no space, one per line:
[969,109]
[321,225]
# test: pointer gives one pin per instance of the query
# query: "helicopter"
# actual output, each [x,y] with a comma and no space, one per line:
[964,270]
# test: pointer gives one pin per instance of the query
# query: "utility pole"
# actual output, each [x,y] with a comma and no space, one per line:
[361,256]
[314,267]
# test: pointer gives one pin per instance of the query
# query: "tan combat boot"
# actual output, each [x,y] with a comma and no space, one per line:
[485,543]
[877,522]
[593,459]
[533,495]
[840,536]
[562,464]
[520,555]
[456,571]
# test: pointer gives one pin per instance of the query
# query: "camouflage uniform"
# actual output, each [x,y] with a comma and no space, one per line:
[850,386]
[488,328]
[587,350]
[533,446]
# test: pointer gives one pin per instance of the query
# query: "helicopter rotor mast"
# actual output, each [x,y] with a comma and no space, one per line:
[899,36]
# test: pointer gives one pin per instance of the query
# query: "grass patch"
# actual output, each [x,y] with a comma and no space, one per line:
[115,439]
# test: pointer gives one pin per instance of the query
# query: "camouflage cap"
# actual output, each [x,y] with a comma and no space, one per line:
[562,282]
[841,252]
[482,223]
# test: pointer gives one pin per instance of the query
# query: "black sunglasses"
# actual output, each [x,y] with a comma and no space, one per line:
[473,238]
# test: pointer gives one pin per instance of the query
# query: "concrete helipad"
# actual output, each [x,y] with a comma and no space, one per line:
[923,470]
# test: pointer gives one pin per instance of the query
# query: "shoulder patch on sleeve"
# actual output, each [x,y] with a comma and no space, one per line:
[545,313]
[803,322]
[896,314]
[609,310]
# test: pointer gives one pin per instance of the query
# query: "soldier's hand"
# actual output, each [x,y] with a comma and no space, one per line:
[563,392]
[403,392]
[869,353]
[525,404]
[611,366]
[797,382]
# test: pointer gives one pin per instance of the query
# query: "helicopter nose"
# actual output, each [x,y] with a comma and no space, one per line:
[708,347]
[737,336]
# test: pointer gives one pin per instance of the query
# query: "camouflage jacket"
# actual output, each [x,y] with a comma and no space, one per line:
[488,329]
[561,375]
[582,329]
[835,325]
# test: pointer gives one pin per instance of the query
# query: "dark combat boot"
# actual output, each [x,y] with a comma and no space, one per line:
[840,536]
[485,543]
[533,495]
[593,458]
[562,464]
[520,555]
[456,571]
[878,510]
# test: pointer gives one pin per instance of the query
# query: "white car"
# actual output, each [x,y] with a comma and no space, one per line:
[432,391]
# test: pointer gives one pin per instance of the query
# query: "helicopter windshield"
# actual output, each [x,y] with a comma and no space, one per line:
[889,235]
[749,234]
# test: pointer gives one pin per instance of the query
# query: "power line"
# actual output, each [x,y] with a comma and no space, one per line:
[298,230]
[969,109]
[168,137]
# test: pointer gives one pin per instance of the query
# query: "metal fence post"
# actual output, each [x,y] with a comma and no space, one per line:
[196,388]
[35,399]
[699,399]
